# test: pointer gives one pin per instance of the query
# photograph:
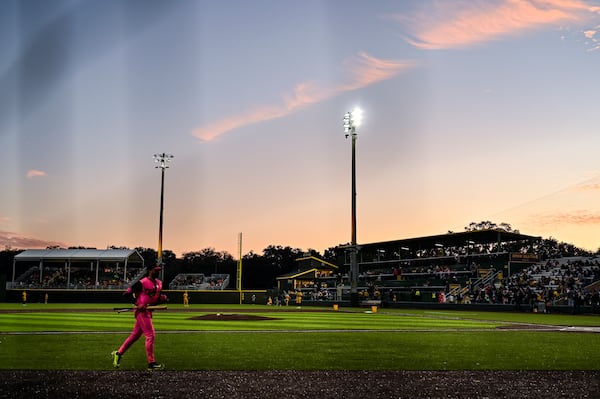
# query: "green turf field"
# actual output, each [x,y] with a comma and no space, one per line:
[81,337]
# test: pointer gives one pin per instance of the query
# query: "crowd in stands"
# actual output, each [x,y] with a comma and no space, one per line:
[560,278]
[460,251]
[559,281]
[545,249]
[467,250]
[110,277]
[553,282]
[80,277]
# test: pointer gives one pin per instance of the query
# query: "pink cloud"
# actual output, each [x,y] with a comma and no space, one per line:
[361,71]
[366,70]
[217,128]
[560,218]
[18,241]
[588,187]
[35,173]
[462,24]
[570,5]
[303,95]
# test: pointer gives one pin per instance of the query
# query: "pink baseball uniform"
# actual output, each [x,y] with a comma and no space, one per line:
[149,295]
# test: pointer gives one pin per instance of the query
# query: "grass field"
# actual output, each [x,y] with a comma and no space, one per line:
[81,337]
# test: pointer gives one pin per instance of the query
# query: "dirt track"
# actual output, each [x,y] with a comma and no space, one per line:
[299,384]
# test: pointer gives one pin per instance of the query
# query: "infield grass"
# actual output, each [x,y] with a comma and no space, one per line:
[45,337]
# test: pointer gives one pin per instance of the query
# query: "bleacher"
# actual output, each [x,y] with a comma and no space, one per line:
[547,280]
[564,275]
[77,277]
[401,282]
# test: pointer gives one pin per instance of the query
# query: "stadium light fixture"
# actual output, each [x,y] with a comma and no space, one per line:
[352,120]
[162,161]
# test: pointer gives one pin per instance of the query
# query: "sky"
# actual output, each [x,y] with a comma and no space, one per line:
[473,110]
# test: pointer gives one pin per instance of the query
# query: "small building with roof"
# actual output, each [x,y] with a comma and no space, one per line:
[311,272]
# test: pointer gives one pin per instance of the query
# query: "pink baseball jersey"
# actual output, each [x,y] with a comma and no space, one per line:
[150,293]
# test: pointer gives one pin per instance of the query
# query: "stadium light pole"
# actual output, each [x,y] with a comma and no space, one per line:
[162,161]
[352,120]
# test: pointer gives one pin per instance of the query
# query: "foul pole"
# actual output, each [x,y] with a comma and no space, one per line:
[238,284]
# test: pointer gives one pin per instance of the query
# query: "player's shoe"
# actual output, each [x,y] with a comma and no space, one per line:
[155,366]
[116,359]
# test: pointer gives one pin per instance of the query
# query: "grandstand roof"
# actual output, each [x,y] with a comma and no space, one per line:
[451,239]
[129,255]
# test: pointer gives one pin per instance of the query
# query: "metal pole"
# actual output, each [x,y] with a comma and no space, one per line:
[160,228]
[353,254]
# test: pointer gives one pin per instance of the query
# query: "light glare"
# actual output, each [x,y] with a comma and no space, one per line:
[357,116]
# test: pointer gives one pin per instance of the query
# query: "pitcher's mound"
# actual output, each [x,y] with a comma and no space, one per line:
[231,316]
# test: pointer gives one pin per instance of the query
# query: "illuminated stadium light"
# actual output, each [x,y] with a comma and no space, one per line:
[352,120]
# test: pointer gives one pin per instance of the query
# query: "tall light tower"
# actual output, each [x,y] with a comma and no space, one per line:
[352,120]
[162,161]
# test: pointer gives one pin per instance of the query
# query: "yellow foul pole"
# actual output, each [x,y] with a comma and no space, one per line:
[239,269]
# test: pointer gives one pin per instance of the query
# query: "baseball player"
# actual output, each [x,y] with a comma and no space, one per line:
[145,292]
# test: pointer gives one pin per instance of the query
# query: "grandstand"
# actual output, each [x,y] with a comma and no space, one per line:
[569,281]
[478,267]
[421,268]
[76,268]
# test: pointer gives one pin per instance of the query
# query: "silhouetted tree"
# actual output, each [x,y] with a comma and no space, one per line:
[488,225]
[208,261]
